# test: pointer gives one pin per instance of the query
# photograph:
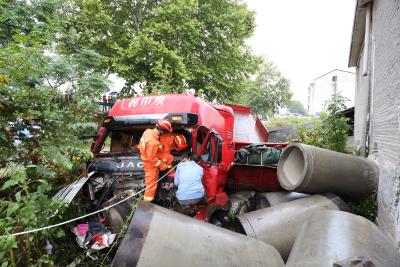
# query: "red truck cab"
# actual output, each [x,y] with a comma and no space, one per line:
[215,132]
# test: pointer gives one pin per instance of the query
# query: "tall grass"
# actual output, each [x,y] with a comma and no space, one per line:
[289,121]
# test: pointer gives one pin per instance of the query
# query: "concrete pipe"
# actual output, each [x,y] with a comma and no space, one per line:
[333,236]
[266,200]
[307,169]
[280,224]
[160,237]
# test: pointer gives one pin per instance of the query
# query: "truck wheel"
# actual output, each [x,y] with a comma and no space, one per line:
[242,202]
[219,218]
[117,216]
[261,202]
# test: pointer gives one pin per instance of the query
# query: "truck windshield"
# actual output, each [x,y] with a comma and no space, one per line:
[124,140]
[121,140]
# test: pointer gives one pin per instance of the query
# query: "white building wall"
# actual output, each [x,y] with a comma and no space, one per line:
[322,89]
[377,111]
[384,133]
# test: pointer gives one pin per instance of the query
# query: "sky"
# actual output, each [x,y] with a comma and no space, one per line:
[305,39]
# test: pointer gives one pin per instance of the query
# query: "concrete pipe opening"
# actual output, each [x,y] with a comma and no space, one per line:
[313,170]
[292,169]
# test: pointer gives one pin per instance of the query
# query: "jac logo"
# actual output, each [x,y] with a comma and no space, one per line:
[130,164]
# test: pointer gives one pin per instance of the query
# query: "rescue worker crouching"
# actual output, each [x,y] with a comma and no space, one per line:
[150,149]
[188,179]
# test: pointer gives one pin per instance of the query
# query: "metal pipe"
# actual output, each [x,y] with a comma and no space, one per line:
[366,40]
[160,237]
[280,224]
[330,236]
[266,200]
[308,169]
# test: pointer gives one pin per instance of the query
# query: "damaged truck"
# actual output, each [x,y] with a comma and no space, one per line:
[232,144]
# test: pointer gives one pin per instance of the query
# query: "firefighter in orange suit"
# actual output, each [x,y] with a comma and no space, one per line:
[150,148]
[171,141]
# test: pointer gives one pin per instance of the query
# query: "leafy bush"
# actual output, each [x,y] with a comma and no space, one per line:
[25,205]
[46,100]
[332,130]
[367,208]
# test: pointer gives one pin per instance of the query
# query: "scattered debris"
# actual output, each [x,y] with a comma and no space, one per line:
[93,235]
[257,154]
[48,247]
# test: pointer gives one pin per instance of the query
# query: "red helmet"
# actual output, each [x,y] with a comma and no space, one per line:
[180,142]
[164,124]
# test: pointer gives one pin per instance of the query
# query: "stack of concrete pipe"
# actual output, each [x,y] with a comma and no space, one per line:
[328,237]
[160,237]
[315,231]
[279,225]
[312,170]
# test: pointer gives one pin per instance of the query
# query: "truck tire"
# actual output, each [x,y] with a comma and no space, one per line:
[242,202]
[116,216]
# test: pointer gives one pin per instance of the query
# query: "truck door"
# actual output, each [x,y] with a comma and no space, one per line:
[207,144]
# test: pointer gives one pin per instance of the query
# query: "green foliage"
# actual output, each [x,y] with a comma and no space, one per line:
[24,204]
[296,106]
[19,19]
[167,46]
[269,91]
[331,133]
[367,208]
[46,100]
[54,56]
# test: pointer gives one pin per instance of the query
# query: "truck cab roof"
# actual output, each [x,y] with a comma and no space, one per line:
[159,106]
[231,122]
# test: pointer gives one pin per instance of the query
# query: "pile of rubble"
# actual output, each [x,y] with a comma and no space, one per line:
[313,227]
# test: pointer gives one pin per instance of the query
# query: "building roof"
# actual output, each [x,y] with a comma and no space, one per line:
[357,37]
[333,71]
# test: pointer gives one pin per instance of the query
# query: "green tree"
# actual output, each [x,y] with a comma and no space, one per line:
[296,106]
[331,133]
[46,99]
[267,92]
[168,46]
